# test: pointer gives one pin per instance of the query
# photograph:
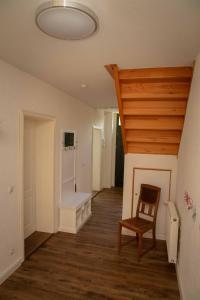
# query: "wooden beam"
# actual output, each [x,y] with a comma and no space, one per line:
[154,123]
[154,111]
[118,93]
[173,74]
[154,108]
[154,104]
[156,88]
[152,96]
[153,136]
[110,69]
[170,149]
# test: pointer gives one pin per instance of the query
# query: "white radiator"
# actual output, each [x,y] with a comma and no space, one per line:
[172,232]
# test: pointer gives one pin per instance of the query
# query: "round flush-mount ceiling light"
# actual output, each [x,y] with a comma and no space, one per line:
[66,20]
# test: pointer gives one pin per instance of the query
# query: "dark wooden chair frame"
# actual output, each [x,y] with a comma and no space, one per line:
[140,225]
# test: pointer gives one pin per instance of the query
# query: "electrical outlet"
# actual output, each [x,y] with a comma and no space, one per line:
[11,189]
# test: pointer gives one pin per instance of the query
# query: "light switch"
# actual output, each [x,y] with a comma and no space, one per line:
[11,189]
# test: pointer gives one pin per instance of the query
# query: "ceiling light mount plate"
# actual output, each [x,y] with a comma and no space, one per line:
[66,20]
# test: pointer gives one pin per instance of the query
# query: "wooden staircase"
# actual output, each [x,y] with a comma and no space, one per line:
[152,106]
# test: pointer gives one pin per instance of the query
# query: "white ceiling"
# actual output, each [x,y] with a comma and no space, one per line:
[133,34]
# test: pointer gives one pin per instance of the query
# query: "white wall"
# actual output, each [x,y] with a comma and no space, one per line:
[20,91]
[151,161]
[69,166]
[97,159]
[189,181]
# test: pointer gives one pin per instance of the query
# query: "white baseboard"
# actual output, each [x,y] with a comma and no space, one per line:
[8,272]
[67,229]
[179,283]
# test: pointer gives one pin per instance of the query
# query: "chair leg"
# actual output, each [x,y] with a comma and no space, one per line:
[154,236]
[137,238]
[119,237]
[139,248]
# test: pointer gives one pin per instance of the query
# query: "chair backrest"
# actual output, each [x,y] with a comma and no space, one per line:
[148,201]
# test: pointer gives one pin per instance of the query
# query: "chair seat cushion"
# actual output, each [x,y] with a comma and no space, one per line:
[137,224]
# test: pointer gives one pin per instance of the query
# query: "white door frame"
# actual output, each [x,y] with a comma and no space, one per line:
[20,172]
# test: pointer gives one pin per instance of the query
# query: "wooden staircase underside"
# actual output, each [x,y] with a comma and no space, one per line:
[152,105]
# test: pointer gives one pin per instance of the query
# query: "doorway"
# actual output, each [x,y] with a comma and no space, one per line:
[96,159]
[37,145]
[119,157]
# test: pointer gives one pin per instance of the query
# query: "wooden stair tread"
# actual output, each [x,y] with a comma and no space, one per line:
[160,123]
[154,112]
[153,136]
[152,148]
[156,87]
[152,105]
[173,74]
[156,104]
[152,96]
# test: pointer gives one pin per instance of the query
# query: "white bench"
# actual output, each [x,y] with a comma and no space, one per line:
[75,210]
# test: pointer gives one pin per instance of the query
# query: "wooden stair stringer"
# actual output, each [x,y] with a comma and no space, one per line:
[120,107]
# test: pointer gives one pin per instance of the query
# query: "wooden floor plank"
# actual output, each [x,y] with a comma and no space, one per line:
[34,241]
[87,266]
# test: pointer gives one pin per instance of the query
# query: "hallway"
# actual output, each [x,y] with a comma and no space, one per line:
[86,266]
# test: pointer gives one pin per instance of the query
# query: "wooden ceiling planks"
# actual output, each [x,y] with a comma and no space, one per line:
[152,105]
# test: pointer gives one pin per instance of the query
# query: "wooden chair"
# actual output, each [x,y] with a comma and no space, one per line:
[148,208]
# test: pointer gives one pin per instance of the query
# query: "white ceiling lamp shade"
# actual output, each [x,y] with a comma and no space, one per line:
[66,20]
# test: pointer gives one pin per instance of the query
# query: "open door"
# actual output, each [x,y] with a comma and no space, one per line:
[38,179]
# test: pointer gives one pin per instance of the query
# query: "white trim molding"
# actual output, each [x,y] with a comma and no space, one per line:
[9,271]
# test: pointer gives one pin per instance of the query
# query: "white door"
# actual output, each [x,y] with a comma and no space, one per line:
[29,184]
[162,180]
[97,156]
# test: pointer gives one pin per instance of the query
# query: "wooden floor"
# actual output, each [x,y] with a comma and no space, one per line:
[34,241]
[86,266]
